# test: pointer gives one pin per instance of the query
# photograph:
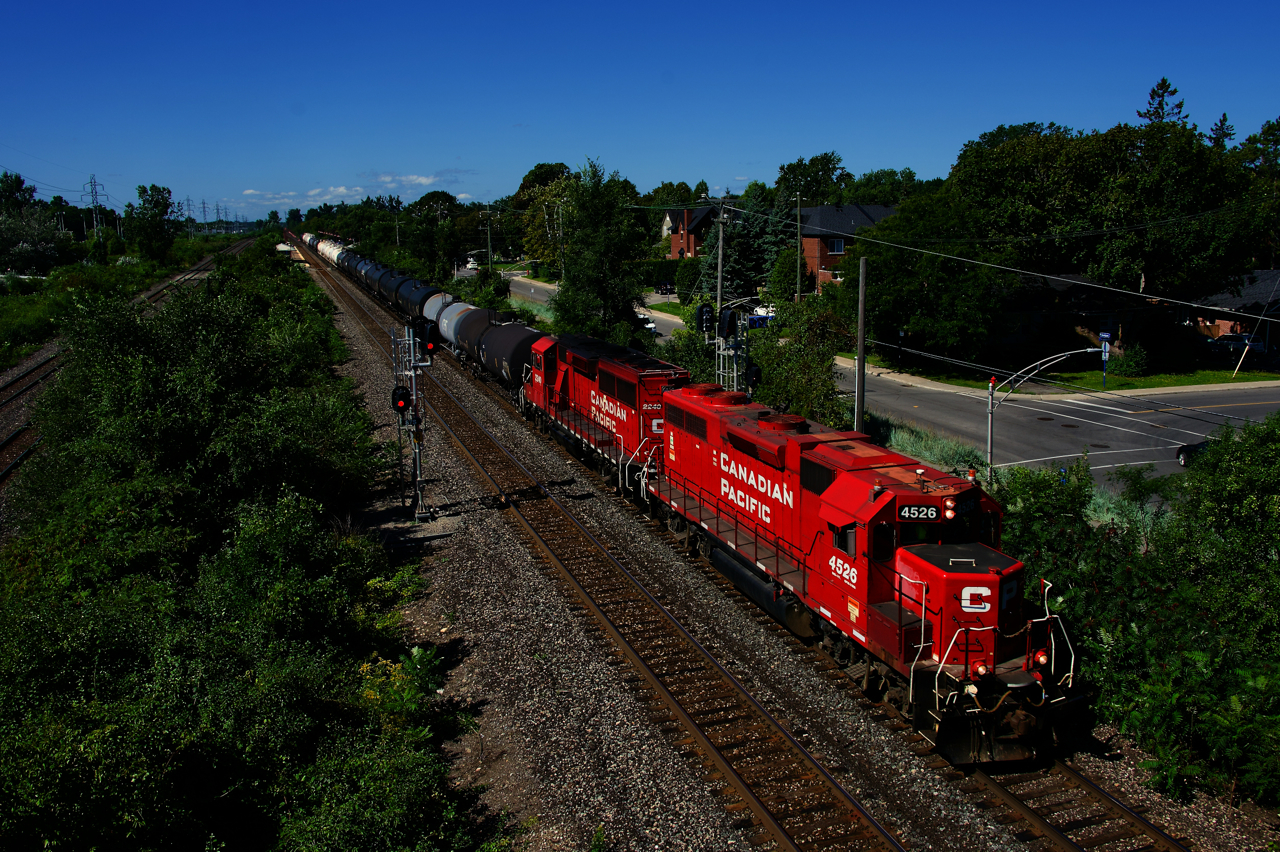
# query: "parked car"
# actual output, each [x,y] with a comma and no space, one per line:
[1236,343]
[473,264]
[648,323]
[664,288]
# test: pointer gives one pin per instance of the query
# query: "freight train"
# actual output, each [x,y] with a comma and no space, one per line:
[894,566]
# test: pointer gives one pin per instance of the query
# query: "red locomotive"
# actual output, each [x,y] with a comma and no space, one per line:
[894,565]
[605,398]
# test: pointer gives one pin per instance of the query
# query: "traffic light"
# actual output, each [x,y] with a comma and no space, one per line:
[401,400]
[706,318]
[754,375]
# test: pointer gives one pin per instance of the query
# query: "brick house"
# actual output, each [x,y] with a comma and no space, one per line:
[687,229]
[825,233]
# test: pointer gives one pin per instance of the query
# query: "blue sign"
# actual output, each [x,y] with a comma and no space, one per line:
[1104,335]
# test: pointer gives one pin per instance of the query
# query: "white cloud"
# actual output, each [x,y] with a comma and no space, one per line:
[315,191]
[420,180]
[251,192]
[462,196]
[742,178]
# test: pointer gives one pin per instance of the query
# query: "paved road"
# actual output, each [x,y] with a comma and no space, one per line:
[537,291]
[1114,429]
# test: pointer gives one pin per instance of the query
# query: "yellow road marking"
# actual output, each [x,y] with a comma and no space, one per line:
[1224,405]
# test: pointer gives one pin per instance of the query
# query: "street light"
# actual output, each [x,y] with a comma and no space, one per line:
[1014,382]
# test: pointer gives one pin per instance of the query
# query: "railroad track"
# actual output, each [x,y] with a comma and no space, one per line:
[1068,811]
[790,800]
[19,444]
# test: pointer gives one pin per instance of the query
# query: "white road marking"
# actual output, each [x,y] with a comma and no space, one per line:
[1099,453]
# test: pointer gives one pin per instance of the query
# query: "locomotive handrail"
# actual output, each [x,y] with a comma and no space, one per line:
[924,621]
[1070,676]
[942,661]
[644,441]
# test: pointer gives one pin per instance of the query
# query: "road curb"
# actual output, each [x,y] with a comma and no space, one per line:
[917,382]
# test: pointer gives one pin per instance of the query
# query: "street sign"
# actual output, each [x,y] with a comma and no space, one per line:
[1106,350]
[1104,335]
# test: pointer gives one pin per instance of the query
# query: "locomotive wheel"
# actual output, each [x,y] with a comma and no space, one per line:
[705,547]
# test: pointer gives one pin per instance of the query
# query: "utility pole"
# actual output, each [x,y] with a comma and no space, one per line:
[560,230]
[488,227]
[860,383]
[720,264]
[799,248]
[204,210]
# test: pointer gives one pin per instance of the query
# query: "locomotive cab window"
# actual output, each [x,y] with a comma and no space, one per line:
[844,539]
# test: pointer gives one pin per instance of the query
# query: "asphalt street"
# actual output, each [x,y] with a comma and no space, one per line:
[1114,429]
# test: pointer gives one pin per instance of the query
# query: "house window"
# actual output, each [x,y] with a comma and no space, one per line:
[837,246]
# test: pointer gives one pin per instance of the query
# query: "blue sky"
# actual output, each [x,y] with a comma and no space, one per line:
[262,106]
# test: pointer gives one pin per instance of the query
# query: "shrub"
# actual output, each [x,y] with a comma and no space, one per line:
[1133,364]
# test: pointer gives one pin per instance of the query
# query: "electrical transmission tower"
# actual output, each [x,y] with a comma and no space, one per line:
[91,189]
[189,218]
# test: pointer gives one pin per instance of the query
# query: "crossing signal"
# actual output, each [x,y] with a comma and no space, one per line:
[401,401]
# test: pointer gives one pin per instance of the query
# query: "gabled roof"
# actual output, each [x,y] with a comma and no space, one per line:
[1262,294]
[832,220]
[699,217]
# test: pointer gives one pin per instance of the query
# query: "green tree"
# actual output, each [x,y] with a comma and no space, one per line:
[15,194]
[273,218]
[540,176]
[782,277]
[818,180]
[796,355]
[1158,107]
[753,236]
[150,223]
[603,235]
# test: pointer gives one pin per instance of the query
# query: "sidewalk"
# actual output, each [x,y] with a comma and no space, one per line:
[851,365]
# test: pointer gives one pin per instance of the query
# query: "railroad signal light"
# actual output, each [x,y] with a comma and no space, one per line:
[401,400]
[1042,659]
[706,318]
[754,375]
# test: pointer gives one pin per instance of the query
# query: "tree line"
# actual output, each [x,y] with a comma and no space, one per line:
[197,648]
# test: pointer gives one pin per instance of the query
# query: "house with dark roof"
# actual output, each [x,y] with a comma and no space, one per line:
[687,230]
[1259,297]
[826,231]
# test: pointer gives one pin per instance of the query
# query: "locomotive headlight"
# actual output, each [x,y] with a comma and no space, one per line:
[950,503]
[1042,658]
[949,514]
[981,669]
